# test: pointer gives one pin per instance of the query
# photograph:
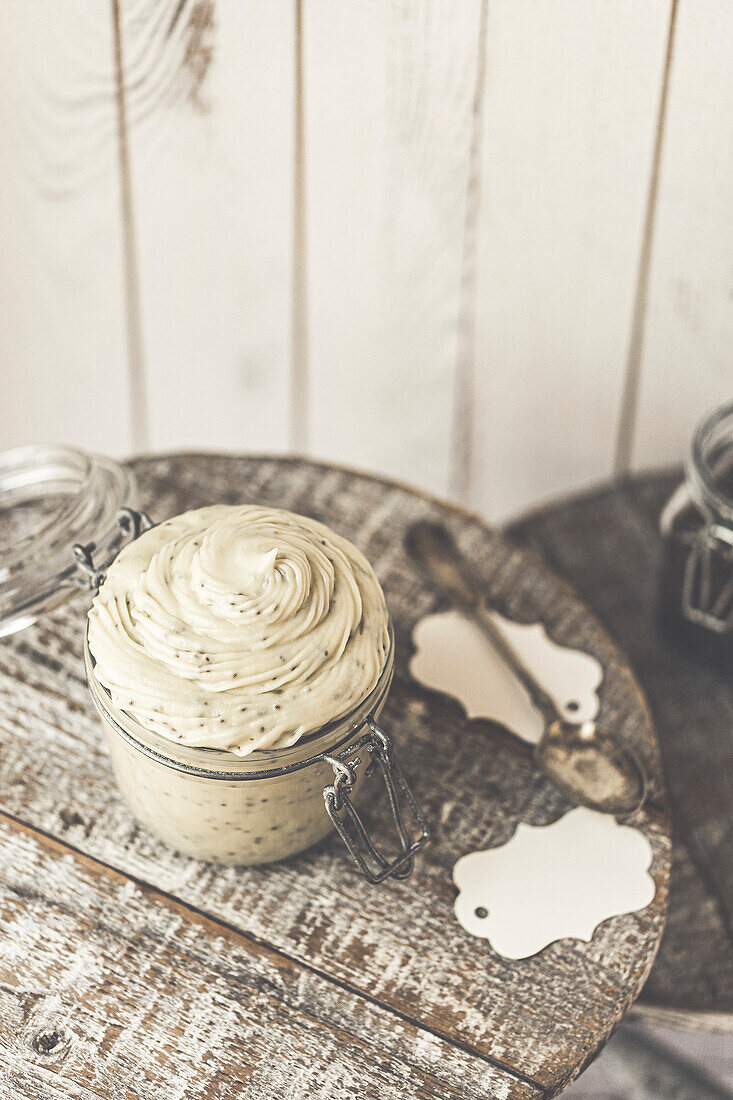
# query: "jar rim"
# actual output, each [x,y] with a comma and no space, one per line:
[259,764]
[700,470]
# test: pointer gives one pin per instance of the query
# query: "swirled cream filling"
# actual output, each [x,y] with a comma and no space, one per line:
[238,628]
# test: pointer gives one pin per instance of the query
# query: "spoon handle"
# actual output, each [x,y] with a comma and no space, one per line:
[433,548]
[541,700]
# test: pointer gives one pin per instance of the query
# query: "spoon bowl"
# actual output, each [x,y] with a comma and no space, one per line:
[591,767]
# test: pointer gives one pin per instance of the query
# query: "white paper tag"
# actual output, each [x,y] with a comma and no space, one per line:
[552,882]
[453,655]
[546,883]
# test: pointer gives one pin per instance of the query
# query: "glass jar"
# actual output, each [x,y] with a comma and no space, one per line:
[215,805]
[66,515]
[696,590]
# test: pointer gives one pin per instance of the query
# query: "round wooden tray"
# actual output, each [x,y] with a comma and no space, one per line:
[137,966]
[606,542]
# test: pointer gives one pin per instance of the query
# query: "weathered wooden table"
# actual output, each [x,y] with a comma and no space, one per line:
[607,544]
[129,971]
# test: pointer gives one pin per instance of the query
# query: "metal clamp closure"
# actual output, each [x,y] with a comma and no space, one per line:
[91,574]
[372,863]
[707,593]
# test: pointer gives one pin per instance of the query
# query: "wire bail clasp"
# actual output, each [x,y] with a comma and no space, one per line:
[707,593]
[340,808]
[90,574]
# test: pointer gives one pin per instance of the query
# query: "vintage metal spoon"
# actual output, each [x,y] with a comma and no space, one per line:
[583,760]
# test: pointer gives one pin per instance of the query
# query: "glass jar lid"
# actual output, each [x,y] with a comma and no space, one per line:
[52,497]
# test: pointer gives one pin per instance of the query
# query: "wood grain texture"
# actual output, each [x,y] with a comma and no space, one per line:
[686,363]
[62,313]
[397,947]
[632,374]
[606,543]
[570,115]
[422,256]
[111,989]
[389,115]
[210,100]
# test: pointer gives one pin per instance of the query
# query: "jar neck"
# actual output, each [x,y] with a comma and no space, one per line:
[210,763]
[709,465]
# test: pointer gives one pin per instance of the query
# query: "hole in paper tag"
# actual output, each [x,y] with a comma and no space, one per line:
[453,655]
[553,882]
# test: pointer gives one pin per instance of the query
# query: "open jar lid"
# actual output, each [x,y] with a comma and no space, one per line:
[51,498]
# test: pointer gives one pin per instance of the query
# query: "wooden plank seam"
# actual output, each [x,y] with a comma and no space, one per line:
[165,898]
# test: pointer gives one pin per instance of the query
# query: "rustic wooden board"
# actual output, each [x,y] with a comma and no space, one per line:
[607,544]
[398,947]
[124,988]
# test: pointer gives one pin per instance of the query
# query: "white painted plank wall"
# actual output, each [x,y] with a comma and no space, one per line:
[389,94]
[572,93]
[687,358]
[62,315]
[210,100]
[458,245]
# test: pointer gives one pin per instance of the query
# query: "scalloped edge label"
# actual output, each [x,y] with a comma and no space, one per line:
[553,882]
[454,656]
